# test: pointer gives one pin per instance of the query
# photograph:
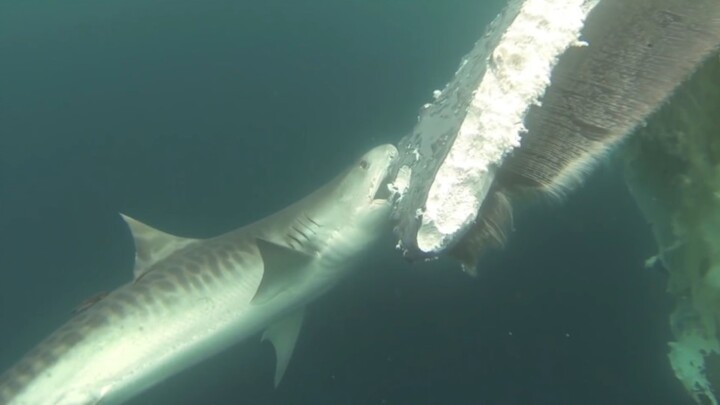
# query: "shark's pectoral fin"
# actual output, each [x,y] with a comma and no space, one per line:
[282,267]
[283,335]
[151,245]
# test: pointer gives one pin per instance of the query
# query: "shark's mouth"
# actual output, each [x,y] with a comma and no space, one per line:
[380,191]
[383,190]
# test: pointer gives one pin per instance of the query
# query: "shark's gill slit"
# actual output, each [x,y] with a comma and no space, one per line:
[311,220]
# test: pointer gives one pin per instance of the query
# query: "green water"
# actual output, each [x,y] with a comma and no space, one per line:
[201,116]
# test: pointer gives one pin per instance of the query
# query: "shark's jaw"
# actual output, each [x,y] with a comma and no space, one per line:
[200,297]
[379,194]
[362,203]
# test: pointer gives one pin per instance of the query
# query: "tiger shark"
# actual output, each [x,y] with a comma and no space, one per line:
[192,298]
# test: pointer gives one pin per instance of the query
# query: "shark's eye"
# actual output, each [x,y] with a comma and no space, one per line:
[364,164]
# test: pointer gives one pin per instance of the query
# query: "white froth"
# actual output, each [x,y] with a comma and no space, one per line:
[401,183]
[518,73]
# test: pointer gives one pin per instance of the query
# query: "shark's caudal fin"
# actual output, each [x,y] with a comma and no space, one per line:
[283,336]
[151,245]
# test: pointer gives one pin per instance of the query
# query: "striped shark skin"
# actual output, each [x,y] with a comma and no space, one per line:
[192,298]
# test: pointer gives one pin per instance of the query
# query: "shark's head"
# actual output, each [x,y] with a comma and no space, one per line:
[364,185]
[354,208]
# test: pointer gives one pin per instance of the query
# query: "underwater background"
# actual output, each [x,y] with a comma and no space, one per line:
[198,117]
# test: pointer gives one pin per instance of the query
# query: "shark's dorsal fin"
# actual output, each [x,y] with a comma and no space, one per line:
[151,245]
[283,336]
[282,267]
